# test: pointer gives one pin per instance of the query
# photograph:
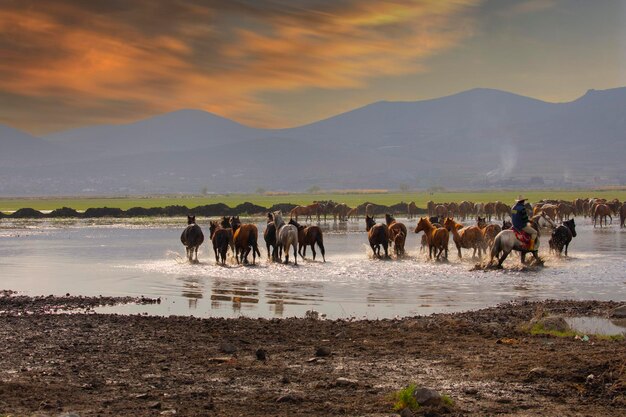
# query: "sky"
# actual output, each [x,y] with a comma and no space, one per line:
[284,63]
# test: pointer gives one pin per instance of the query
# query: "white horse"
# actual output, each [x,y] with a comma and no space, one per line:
[286,235]
[543,221]
[506,241]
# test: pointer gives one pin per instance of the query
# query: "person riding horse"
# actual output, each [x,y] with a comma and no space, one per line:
[521,221]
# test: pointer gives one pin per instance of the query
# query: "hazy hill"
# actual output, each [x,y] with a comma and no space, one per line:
[471,139]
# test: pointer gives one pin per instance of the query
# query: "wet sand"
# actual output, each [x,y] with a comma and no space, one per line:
[112,365]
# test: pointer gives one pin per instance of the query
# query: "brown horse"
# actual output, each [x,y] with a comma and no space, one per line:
[601,211]
[378,235]
[192,238]
[411,210]
[431,208]
[245,237]
[502,210]
[309,236]
[490,210]
[353,214]
[397,234]
[307,211]
[437,238]
[470,237]
[221,239]
[441,211]
[490,231]
[622,216]
[269,235]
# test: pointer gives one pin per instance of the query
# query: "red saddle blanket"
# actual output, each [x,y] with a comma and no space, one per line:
[523,237]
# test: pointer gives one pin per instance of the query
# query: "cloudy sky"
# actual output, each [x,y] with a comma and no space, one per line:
[282,63]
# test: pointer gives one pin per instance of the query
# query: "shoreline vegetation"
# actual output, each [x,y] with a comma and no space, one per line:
[251,204]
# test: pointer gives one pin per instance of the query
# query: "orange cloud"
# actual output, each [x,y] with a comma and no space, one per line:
[71,62]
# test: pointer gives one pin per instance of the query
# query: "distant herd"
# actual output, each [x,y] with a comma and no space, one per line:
[443,220]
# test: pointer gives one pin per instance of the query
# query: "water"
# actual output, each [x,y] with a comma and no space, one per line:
[145,257]
[597,325]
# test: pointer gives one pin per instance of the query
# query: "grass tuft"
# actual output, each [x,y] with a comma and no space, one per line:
[405,399]
[446,400]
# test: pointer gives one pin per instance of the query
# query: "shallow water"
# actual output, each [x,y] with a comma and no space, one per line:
[145,257]
[597,325]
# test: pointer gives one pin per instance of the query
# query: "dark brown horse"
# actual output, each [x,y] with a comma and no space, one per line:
[309,236]
[221,239]
[397,234]
[378,235]
[245,237]
[562,236]
[622,216]
[192,237]
[269,235]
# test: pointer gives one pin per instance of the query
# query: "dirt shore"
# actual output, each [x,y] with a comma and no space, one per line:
[110,365]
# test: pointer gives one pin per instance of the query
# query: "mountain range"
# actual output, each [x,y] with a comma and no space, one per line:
[474,139]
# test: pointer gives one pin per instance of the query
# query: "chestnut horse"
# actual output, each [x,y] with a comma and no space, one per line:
[490,231]
[470,237]
[307,211]
[397,234]
[601,211]
[309,236]
[221,239]
[378,235]
[245,237]
[437,238]
[192,237]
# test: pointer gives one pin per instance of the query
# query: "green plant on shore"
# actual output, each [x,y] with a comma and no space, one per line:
[405,399]
[446,400]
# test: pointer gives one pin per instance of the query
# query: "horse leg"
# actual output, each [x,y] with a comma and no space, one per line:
[386,248]
[302,250]
[217,260]
[566,246]
[295,254]
[313,250]
[322,250]
[286,250]
[503,257]
[458,248]
[430,251]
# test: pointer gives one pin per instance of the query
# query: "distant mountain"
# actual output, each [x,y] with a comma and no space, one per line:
[476,138]
[18,148]
[179,130]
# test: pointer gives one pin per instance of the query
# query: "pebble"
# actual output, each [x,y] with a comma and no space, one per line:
[261,354]
[226,347]
[289,398]
[345,382]
[323,351]
[406,412]
[155,405]
[538,372]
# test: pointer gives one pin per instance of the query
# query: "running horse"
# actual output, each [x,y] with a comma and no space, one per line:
[286,236]
[245,237]
[221,239]
[192,237]
[309,236]
[509,240]
[378,235]
[437,237]
[269,235]
[397,234]
[470,237]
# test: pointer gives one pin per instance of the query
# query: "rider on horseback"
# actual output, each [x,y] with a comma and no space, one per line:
[521,221]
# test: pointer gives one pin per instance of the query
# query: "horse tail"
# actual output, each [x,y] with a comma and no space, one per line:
[319,239]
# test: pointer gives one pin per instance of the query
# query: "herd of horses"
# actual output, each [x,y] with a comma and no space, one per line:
[444,219]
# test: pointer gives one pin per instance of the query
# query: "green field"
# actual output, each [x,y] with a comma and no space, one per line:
[351,199]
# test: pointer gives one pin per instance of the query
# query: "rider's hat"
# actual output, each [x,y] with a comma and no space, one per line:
[520,198]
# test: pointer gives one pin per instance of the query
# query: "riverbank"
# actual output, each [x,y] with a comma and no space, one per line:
[486,361]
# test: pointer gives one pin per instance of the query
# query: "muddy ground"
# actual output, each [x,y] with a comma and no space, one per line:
[109,365]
